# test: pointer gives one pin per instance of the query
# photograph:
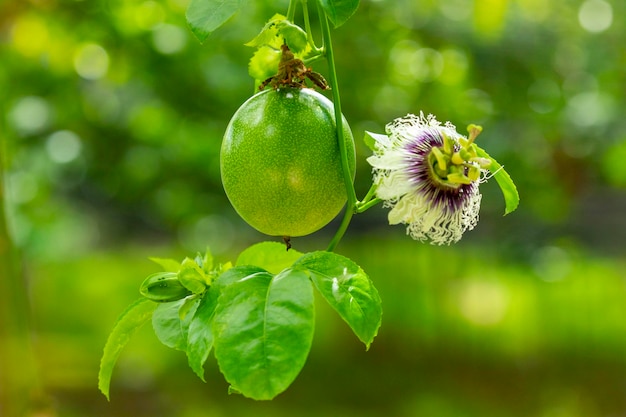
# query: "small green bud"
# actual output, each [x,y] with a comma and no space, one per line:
[163,287]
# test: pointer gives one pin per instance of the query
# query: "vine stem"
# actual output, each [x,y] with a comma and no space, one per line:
[291,11]
[369,201]
[332,76]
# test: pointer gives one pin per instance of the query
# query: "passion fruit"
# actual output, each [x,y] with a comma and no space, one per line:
[280,162]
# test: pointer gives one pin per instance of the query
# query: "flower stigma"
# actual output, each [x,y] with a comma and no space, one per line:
[428,174]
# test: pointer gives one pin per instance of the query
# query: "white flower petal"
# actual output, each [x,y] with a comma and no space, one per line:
[407,209]
[404,182]
[388,160]
[380,140]
[393,185]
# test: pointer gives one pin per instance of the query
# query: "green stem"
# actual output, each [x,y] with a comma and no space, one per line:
[345,222]
[307,27]
[307,23]
[367,205]
[345,166]
[291,11]
[368,201]
[370,194]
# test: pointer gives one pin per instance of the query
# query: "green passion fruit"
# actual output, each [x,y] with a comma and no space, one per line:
[280,162]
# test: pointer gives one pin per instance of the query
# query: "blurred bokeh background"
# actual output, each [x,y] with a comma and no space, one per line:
[112,117]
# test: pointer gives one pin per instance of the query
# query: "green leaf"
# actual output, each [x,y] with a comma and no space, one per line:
[339,11]
[264,63]
[348,289]
[192,276]
[205,16]
[127,324]
[168,325]
[168,265]
[205,262]
[508,188]
[189,306]
[294,36]
[269,34]
[200,335]
[271,256]
[263,328]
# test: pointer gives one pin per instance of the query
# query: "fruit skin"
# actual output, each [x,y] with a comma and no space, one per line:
[280,162]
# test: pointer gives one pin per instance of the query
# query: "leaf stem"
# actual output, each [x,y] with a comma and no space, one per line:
[370,194]
[369,201]
[367,205]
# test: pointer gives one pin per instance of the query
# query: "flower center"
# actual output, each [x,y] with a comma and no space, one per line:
[456,162]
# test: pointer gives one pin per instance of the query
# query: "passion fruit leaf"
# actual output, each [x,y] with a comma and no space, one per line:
[506,184]
[205,16]
[294,36]
[200,335]
[192,277]
[339,11]
[169,265]
[127,324]
[269,35]
[264,63]
[263,329]
[168,326]
[205,262]
[189,306]
[348,289]
[271,256]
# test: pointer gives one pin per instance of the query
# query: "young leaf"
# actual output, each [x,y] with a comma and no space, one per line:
[204,16]
[263,329]
[264,63]
[200,335]
[129,321]
[269,34]
[294,36]
[348,289]
[205,262]
[339,11]
[168,265]
[508,188]
[192,276]
[169,327]
[271,256]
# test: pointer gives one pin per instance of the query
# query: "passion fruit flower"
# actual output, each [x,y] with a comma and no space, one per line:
[428,174]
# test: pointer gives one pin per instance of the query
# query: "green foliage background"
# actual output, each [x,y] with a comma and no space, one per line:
[112,117]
